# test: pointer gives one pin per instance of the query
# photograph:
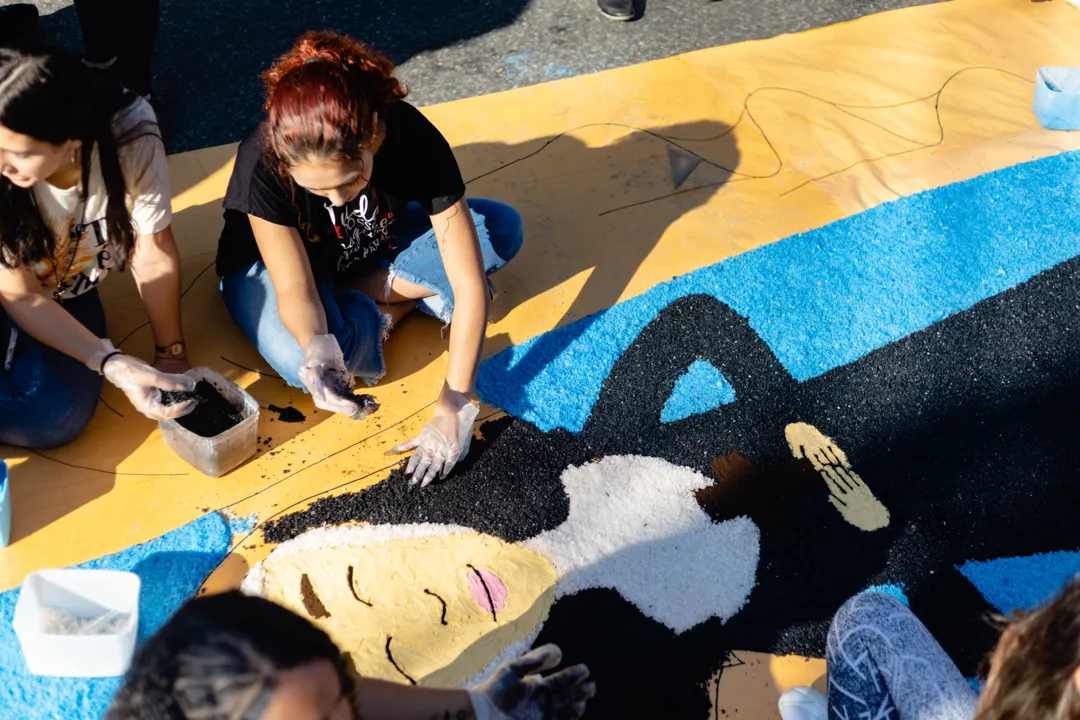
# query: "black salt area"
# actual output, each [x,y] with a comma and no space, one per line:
[287,414]
[966,431]
[493,494]
[212,415]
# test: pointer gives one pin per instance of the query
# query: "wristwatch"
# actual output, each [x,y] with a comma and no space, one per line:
[174,350]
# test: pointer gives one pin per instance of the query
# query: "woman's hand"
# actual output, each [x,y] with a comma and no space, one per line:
[172,364]
[142,384]
[442,441]
[517,691]
[330,381]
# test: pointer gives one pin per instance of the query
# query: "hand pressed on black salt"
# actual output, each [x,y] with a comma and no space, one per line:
[517,690]
[442,441]
[330,382]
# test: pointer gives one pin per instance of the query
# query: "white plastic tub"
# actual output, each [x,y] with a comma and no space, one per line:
[1057,98]
[83,594]
[217,455]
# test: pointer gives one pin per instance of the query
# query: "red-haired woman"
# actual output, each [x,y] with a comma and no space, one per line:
[345,211]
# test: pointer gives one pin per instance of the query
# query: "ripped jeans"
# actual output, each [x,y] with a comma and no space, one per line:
[351,316]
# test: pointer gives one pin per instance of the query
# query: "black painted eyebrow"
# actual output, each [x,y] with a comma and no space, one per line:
[434,595]
[352,587]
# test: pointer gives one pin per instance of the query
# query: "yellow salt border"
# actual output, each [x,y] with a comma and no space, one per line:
[795,132]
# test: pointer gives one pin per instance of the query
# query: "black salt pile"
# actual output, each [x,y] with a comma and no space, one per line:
[213,414]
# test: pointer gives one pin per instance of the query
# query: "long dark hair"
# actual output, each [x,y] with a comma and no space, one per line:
[1034,677]
[219,657]
[51,96]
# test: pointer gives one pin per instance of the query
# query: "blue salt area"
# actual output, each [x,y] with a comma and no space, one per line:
[701,389]
[243,525]
[826,297]
[171,568]
[1022,583]
[896,590]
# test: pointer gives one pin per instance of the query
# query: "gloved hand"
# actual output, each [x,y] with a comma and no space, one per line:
[330,382]
[441,443]
[517,691]
[142,384]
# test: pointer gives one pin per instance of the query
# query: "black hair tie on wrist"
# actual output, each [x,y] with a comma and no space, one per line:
[107,358]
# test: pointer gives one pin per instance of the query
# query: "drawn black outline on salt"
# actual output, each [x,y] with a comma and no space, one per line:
[745,112]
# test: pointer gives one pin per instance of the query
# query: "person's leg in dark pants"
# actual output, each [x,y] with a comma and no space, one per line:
[18,22]
[119,38]
[46,397]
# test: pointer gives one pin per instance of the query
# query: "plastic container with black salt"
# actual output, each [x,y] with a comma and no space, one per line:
[221,432]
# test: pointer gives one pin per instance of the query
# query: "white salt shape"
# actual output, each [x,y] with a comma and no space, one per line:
[635,526]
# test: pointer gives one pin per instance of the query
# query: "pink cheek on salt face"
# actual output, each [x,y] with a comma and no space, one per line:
[488,590]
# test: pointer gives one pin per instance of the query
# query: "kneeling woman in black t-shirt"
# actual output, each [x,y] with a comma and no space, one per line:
[345,211]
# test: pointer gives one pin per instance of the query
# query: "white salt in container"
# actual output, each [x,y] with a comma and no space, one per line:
[84,595]
[217,455]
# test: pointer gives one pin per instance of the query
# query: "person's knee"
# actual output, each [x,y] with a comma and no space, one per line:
[506,229]
[285,358]
[252,304]
[45,423]
[868,608]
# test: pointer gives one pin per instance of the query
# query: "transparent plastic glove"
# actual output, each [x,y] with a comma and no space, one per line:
[440,444]
[330,382]
[517,691]
[143,384]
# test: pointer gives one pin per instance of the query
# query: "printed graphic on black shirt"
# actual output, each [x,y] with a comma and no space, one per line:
[362,227]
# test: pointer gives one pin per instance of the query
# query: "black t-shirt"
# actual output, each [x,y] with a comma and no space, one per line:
[414,163]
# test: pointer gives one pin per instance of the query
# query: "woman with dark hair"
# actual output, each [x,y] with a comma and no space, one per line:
[245,658]
[883,663]
[85,190]
[346,210]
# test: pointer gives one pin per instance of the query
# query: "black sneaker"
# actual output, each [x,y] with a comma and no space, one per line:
[621,10]
[18,22]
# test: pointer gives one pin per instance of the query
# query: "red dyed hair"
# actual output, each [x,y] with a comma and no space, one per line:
[322,96]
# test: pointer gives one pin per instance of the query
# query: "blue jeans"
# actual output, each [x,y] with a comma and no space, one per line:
[351,316]
[46,397]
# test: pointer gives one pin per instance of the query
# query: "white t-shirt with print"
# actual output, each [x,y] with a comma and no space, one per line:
[82,259]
